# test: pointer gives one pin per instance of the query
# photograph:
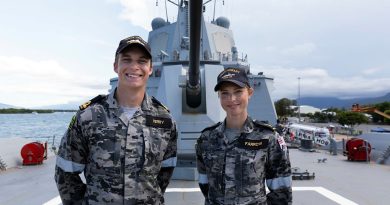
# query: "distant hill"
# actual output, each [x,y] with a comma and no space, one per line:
[2,106]
[74,105]
[327,102]
[68,106]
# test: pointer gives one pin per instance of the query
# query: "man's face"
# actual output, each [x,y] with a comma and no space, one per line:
[234,99]
[133,67]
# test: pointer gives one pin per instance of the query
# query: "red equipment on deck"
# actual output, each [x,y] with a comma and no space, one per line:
[34,153]
[357,149]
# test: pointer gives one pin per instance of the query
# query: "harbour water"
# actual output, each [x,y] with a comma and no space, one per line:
[42,127]
[39,127]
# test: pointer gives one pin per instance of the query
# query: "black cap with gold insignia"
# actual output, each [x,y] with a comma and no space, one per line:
[133,40]
[232,75]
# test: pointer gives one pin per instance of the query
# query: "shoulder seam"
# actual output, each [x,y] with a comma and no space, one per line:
[263,125]
[93,100]
[159,103]
[211,127]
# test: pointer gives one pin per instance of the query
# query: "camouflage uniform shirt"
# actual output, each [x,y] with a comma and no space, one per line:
[235,172]
[125,161]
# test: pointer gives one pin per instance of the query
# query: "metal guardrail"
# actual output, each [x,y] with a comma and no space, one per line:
[51,140]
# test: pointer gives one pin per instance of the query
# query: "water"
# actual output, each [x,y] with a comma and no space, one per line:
[40,127]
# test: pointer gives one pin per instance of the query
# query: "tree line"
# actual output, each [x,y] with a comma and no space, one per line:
[288,108]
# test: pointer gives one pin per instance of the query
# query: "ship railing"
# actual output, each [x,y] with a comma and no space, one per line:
[228,57]
[52,141]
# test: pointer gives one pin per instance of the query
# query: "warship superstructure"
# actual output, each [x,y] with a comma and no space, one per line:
[187,57]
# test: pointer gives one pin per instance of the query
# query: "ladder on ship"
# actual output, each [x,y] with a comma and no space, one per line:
[3,165]
[385,156]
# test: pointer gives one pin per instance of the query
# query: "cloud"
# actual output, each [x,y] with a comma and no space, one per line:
[19,66]
[318,82]
[373,70]
[299,50]
[31,82]
[102,43]
[137,12]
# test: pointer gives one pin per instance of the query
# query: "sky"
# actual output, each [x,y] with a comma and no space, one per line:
[58,52]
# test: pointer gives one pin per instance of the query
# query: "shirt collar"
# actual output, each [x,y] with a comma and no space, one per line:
[247,128]
[146,104]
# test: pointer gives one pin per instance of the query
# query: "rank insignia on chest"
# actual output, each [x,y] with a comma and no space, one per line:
[152,121]
[253,144]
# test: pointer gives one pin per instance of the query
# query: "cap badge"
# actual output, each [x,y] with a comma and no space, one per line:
[134,41]
[229,75]
[232,70]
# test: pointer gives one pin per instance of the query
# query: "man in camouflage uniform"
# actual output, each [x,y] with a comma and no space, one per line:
[125,142]
[236,157]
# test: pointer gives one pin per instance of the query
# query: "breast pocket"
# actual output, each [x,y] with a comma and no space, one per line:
[104,152]
[104,147]
[156,142]
[214,161]
[249,172]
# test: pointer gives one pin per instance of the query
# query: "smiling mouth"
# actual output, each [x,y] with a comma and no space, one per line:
[233,106]
[133,75]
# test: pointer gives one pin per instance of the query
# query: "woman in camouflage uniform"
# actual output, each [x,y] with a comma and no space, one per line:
[237,157]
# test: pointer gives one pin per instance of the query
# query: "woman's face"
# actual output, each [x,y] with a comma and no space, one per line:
[234,99]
